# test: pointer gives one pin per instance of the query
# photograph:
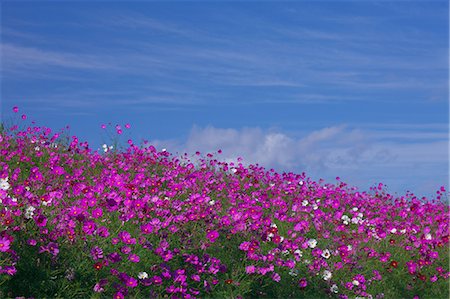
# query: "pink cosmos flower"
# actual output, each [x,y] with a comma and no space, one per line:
[412,267]
[146,228]
[244,246]
[102,231]
[376,275]
[15,109]
[134,258]
[360,278]
[98,288]
[4,244]
[10,270]
[124,236]
[434,254]
[89,227]
[157,280]
[51,248]
[58,170]
[41,221]
[302,283]
[276,277]
[97,213]
[131,282]
[385,257]
[212,236]
[96,253]
[118,295]
[125,249]
[167,256]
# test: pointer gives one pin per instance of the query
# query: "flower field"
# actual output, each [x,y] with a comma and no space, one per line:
[142,223]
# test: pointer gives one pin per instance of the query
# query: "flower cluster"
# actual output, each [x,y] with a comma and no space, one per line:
[145,223]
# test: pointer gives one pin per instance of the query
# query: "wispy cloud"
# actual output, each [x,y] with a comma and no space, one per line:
[351,61]
[20,59]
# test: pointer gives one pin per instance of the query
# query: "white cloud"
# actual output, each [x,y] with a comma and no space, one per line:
[318,150]
[360,157]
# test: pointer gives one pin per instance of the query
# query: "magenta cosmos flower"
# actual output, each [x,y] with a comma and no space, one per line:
[212,236]
[4,244]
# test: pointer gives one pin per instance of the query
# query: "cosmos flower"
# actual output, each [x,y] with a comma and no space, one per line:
[312,243]
[4,185]
[143,275]
[326,275]
[212,236]
[4,244]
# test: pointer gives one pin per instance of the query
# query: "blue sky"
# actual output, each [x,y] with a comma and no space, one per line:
[354,89]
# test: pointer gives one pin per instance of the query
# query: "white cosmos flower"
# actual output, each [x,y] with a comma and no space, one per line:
[142,275]
[293,272]
[29,212]
[345,219]
[312,243]
[327,275]
[4,185]
[355,282]
[326,254]
[334,288]
[428,236]
[305,203]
